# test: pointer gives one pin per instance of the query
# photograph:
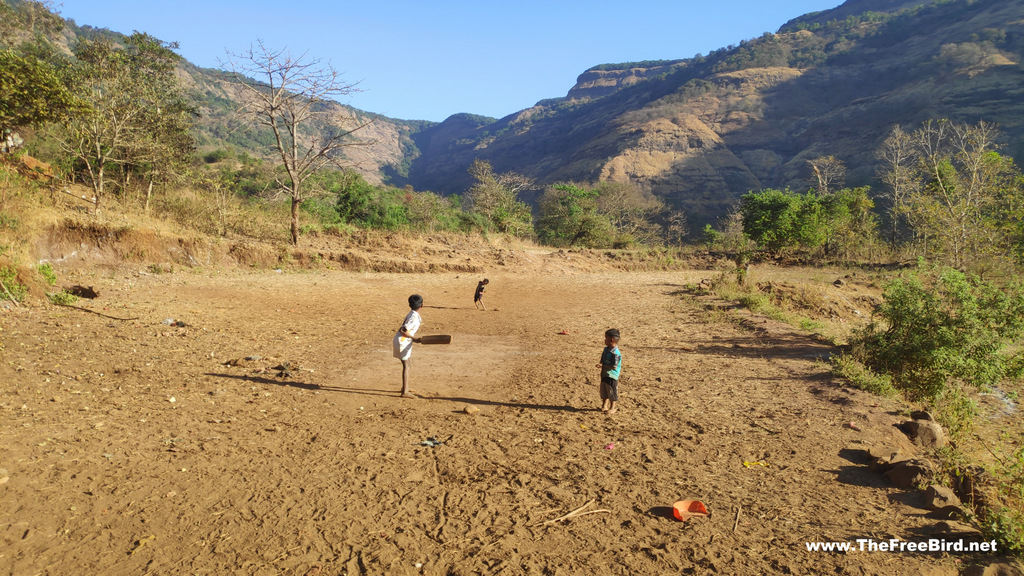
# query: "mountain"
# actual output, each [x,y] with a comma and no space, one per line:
[701,132]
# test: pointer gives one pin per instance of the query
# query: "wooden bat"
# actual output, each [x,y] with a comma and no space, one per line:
[436,339]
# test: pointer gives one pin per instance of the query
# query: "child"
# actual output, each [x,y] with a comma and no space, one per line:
[611,365]
[404,338]
[478,296]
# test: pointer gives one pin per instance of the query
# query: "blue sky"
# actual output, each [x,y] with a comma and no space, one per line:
[427,60]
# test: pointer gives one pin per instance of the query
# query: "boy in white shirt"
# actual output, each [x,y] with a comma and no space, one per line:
[404,339]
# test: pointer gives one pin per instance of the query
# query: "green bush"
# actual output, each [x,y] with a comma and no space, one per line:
[11,288]
[47,273]
[62,298]
[939,331]
[940,326]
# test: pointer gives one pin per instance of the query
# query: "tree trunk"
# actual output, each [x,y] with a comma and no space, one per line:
[295,220]
[149,196]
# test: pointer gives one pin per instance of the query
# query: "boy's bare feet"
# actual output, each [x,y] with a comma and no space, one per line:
[408,395]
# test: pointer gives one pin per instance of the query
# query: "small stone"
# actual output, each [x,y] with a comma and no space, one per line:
[1004,568]
[909,473]
[939,497]
[471,410]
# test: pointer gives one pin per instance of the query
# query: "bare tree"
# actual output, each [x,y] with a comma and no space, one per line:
[962,176]
[496,197]
[898,173]
[631,210]
[291,96]
[829,171]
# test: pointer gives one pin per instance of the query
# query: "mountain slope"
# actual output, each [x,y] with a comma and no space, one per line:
[701,132]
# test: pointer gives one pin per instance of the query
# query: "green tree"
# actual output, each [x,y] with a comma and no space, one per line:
[31,92]
[161,144]
[781,220]
[292,97]
[569,217]
[135,115]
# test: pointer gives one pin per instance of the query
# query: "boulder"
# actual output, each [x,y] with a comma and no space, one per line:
[924,433]
[881,458]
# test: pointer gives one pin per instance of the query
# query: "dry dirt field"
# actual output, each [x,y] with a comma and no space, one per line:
[137,447]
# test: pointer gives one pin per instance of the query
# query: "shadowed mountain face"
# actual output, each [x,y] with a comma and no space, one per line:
[702,132]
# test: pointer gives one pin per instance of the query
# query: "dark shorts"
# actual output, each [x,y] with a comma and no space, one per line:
[609,389]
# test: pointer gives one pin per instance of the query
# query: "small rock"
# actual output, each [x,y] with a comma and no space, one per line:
[1005,568]
[953,531]
[471,410]
[909,473]
[925,433]
[882,457]
[939,497]
[950,512]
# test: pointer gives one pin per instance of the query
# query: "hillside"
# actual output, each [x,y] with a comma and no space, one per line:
[701,132]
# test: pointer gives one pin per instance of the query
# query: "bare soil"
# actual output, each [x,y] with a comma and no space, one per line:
[262,433]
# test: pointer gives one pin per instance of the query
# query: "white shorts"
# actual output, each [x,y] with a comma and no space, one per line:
[402,347]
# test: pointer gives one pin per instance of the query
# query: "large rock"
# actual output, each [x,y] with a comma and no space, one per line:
[880,458]
[925,433]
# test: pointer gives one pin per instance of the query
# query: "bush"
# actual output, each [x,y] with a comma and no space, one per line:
[62,298]
[11,288]
[939,330]
[47,273]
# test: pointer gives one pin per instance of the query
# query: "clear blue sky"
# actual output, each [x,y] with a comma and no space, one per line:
[427,60]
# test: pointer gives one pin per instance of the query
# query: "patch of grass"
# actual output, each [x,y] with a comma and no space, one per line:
[11,288]
[1002,519]
[9,222]
[65,298]
[46,271]
[862,377]
[809,325]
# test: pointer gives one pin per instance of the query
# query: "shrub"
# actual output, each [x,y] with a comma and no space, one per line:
[62,298]
[940,330]
[11,288]
[941,326]
[46,270]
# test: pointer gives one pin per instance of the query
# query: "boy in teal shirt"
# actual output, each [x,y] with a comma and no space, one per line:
[611,365]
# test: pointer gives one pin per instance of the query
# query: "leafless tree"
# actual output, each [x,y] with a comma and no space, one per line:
[962,176]
[829,171]
[292,96]
[897,172]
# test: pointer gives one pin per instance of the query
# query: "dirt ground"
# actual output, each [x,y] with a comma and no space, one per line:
[137,447]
